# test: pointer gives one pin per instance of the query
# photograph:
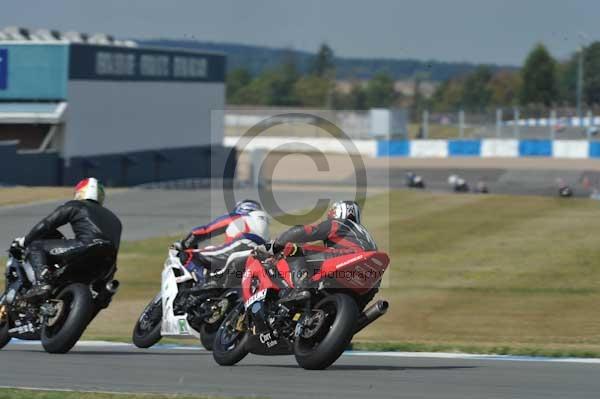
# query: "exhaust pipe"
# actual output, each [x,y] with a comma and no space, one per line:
[113,286]
[371,314]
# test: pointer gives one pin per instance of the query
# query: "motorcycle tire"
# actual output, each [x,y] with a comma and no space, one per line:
[327,344]
[4,335]
[146,336]
[229,346]
[64,333]
[208,332]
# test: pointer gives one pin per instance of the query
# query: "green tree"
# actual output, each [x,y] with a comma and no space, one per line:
[505,87]
[323,64]
[312,91]
[539,79]
[448,95]
[476,94]
[236,80]
[380,91]
[591,67]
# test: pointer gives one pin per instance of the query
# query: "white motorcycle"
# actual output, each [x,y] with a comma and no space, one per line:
[181,310]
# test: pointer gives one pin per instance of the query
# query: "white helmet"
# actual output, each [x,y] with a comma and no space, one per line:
[90,189]
[258,224]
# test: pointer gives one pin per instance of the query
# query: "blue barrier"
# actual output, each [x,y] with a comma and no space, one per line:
[393,148]
[594,149]
[464,148]
[535,148]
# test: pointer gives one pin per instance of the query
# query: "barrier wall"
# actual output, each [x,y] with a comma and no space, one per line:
[489,148]
[125,169]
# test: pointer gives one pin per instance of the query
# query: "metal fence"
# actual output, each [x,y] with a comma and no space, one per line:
[518,123]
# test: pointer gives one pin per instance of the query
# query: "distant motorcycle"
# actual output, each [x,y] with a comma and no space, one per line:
[80,290]
[414,181]
[181,310]
[317,331]
[458,184]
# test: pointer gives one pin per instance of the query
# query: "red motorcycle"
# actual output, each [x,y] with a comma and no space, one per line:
[316,331]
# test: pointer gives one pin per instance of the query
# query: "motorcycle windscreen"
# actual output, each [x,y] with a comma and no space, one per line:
[359,271]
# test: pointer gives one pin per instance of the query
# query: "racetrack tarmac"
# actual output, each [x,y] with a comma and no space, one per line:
[121,368]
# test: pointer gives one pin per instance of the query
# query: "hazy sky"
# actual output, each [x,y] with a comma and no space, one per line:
[500,31]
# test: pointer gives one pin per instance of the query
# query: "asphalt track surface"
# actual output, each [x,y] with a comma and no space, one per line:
[126,369]
[151,213]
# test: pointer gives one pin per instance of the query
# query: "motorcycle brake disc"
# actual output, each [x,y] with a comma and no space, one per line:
[59,307]
[313,324]
[218,310]
[3,313]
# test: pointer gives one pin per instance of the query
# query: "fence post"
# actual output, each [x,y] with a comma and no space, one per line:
[461,123]
[552,124]
[590,123]
[498,122]
[425,124]
[516,116]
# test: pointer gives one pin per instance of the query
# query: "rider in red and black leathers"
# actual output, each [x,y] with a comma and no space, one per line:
[341,234]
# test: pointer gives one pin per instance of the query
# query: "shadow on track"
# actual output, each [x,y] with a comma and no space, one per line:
[358,367]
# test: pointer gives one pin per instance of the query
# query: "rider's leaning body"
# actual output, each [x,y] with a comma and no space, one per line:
[94,226]
[244,228]
[341,233]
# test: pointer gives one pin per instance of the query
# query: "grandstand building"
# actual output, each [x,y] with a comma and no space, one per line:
[73,105]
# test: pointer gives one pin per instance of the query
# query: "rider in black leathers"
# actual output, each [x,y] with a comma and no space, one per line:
[93,225]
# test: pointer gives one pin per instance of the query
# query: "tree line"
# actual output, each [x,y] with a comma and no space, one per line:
[542,82]
[286,86]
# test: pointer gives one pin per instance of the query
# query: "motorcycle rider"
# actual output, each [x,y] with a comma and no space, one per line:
[95,227]
[341,233]
[244,228]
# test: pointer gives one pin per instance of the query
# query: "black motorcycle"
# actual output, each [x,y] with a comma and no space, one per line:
[80,289]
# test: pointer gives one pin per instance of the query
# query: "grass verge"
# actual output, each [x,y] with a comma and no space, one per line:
[469,273]
[25,195]
[7,393]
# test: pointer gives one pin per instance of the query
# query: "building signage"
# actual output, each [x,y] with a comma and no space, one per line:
[3,68]
[89,62]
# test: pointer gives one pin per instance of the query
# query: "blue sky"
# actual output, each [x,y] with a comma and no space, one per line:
[500,31]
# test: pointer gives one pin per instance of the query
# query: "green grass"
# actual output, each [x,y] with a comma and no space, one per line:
[471,273]
[41,394]
[24,195]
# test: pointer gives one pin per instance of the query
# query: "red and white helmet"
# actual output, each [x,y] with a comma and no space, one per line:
[90,189]
[345,210]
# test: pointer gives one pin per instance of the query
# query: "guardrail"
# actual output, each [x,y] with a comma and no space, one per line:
[489,148]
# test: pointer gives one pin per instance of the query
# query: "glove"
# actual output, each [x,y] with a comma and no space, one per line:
[177,246]
[17,247]
[19,242]
[264,251]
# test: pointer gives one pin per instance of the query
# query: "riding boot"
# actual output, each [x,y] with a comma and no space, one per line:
[301,280]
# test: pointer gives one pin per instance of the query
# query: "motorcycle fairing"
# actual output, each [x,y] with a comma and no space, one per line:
[358,271]
[173,325]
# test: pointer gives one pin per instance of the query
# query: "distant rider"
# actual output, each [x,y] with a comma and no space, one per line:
[244,228]
[93,225]
[341,233]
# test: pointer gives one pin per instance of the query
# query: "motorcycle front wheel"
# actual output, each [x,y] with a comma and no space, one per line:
[229,346]
[61,333]
[329,333]
[146,332]
[4,335]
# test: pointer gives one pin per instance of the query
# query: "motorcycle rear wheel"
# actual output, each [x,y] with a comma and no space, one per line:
[4,335]
[327,343]
[72,320]
[229,346]
[146,331]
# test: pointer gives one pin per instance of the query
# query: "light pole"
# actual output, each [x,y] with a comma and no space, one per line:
[580,84]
